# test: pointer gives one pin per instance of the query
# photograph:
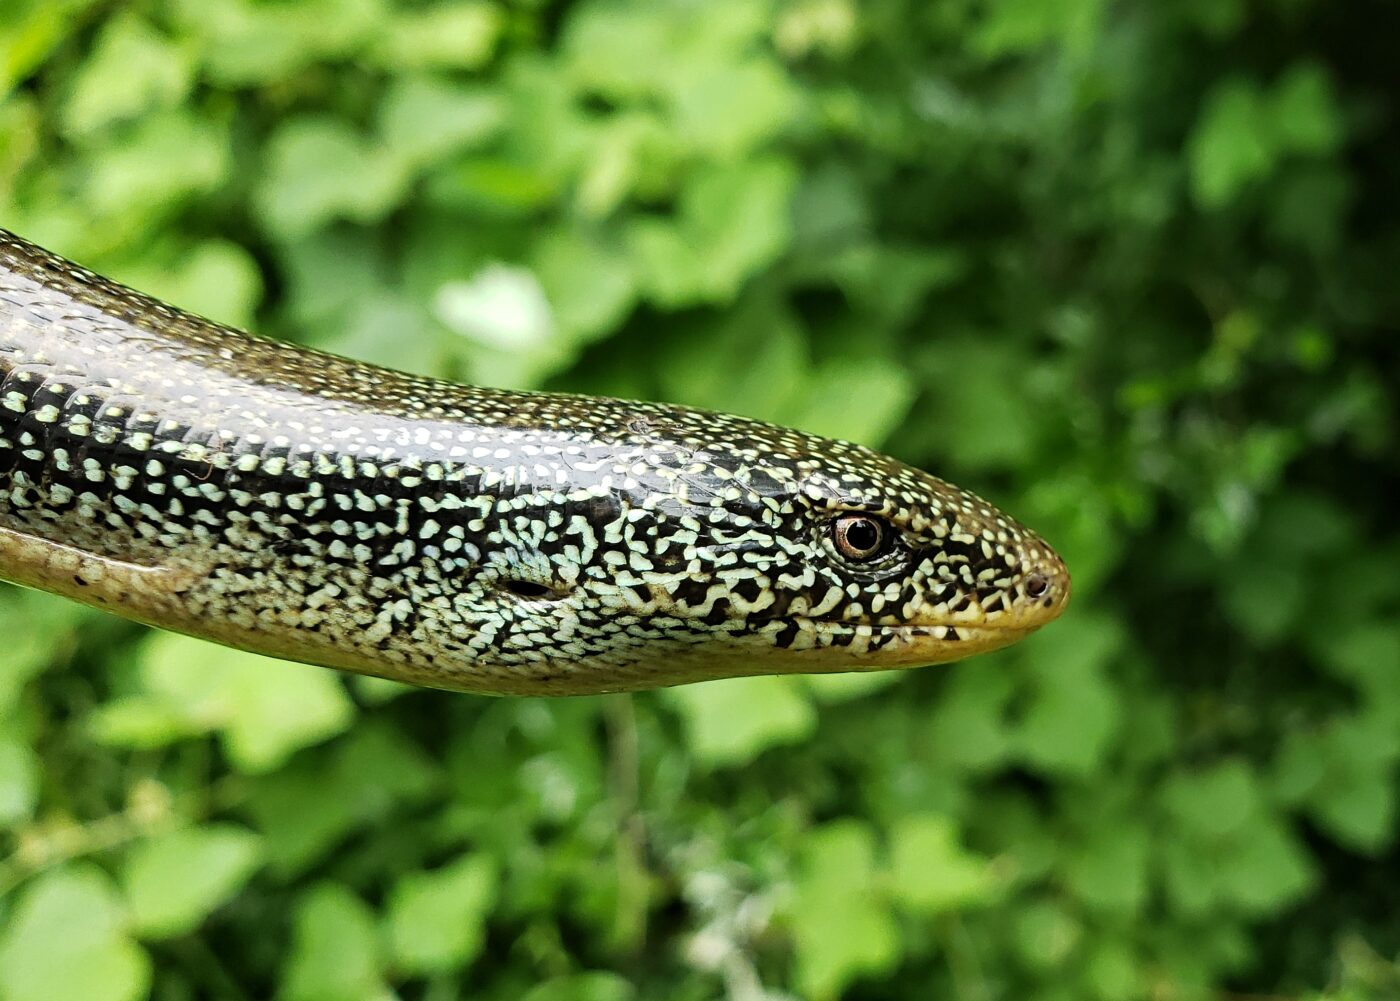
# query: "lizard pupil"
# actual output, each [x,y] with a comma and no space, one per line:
[858,537]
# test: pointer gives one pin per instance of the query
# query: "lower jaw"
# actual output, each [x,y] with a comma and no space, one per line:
[840,646]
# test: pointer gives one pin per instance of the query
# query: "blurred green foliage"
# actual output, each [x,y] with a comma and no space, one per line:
[1128,269]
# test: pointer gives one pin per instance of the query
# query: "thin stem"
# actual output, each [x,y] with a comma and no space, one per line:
[629,928]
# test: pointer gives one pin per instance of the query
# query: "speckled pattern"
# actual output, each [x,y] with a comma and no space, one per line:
[188,475]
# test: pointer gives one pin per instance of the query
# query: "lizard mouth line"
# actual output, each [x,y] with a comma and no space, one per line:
[909,636]
[858,646]
[909,629]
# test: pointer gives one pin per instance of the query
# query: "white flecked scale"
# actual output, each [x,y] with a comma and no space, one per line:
[302,505]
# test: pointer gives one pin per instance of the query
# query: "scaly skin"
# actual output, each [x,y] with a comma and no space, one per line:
[276,499]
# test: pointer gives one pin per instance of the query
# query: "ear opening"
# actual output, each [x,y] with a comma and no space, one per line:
[528,589]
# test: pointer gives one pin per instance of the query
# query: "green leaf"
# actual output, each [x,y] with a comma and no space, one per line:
[494,185]
[20,131]
[841,929]
[296,194]
[66,940]
[734,220]
[1114,973]
[982,416]
[214,279]
[173,881]
[509,335]
[1300,766]
[726,109]
[1231,145]
[596,986]
[1368,656]
[446,35]
[131,69]
[861,399]
[423,119]
[19,781]
[837,688]
[1268,869]
[373,691]
[930,871]
[322,267]
[245,42]
[732,722]
[601,44]
[29,31]
[1018,25]
[263,709]
[1311,210]
[1264,595]
[308,806]
[156,164]
[373,333]
[891,282]
[589,284]
[753,362]
[632,52]
[1343,773]
[1359,808]
[1304,111]
[335,954]
[1109,870]
[830,27]
[273,707]
[1216,802]
[436,919]
[142,722]
[1190,876]
[1046,934]
[1074,711]
[626,152]
[303,813]
[968,728]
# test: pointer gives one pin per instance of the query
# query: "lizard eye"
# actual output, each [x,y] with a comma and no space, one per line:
[858,536]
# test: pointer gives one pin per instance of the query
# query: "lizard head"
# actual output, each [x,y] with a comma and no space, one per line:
[700,545]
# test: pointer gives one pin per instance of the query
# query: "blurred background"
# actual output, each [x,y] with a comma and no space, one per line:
[1127,269]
